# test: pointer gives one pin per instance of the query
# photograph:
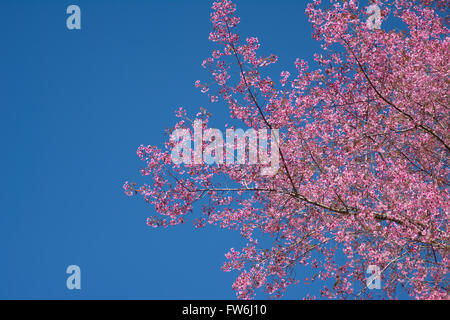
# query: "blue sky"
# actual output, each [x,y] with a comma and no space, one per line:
[75,106]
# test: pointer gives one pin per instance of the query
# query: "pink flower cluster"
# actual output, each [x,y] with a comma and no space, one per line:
[364,156]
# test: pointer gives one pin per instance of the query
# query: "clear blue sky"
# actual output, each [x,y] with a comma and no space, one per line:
[75,105]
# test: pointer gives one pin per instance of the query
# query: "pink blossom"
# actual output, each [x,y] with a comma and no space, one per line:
[364,144]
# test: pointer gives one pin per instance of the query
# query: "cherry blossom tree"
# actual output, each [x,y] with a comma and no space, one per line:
[364,155]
